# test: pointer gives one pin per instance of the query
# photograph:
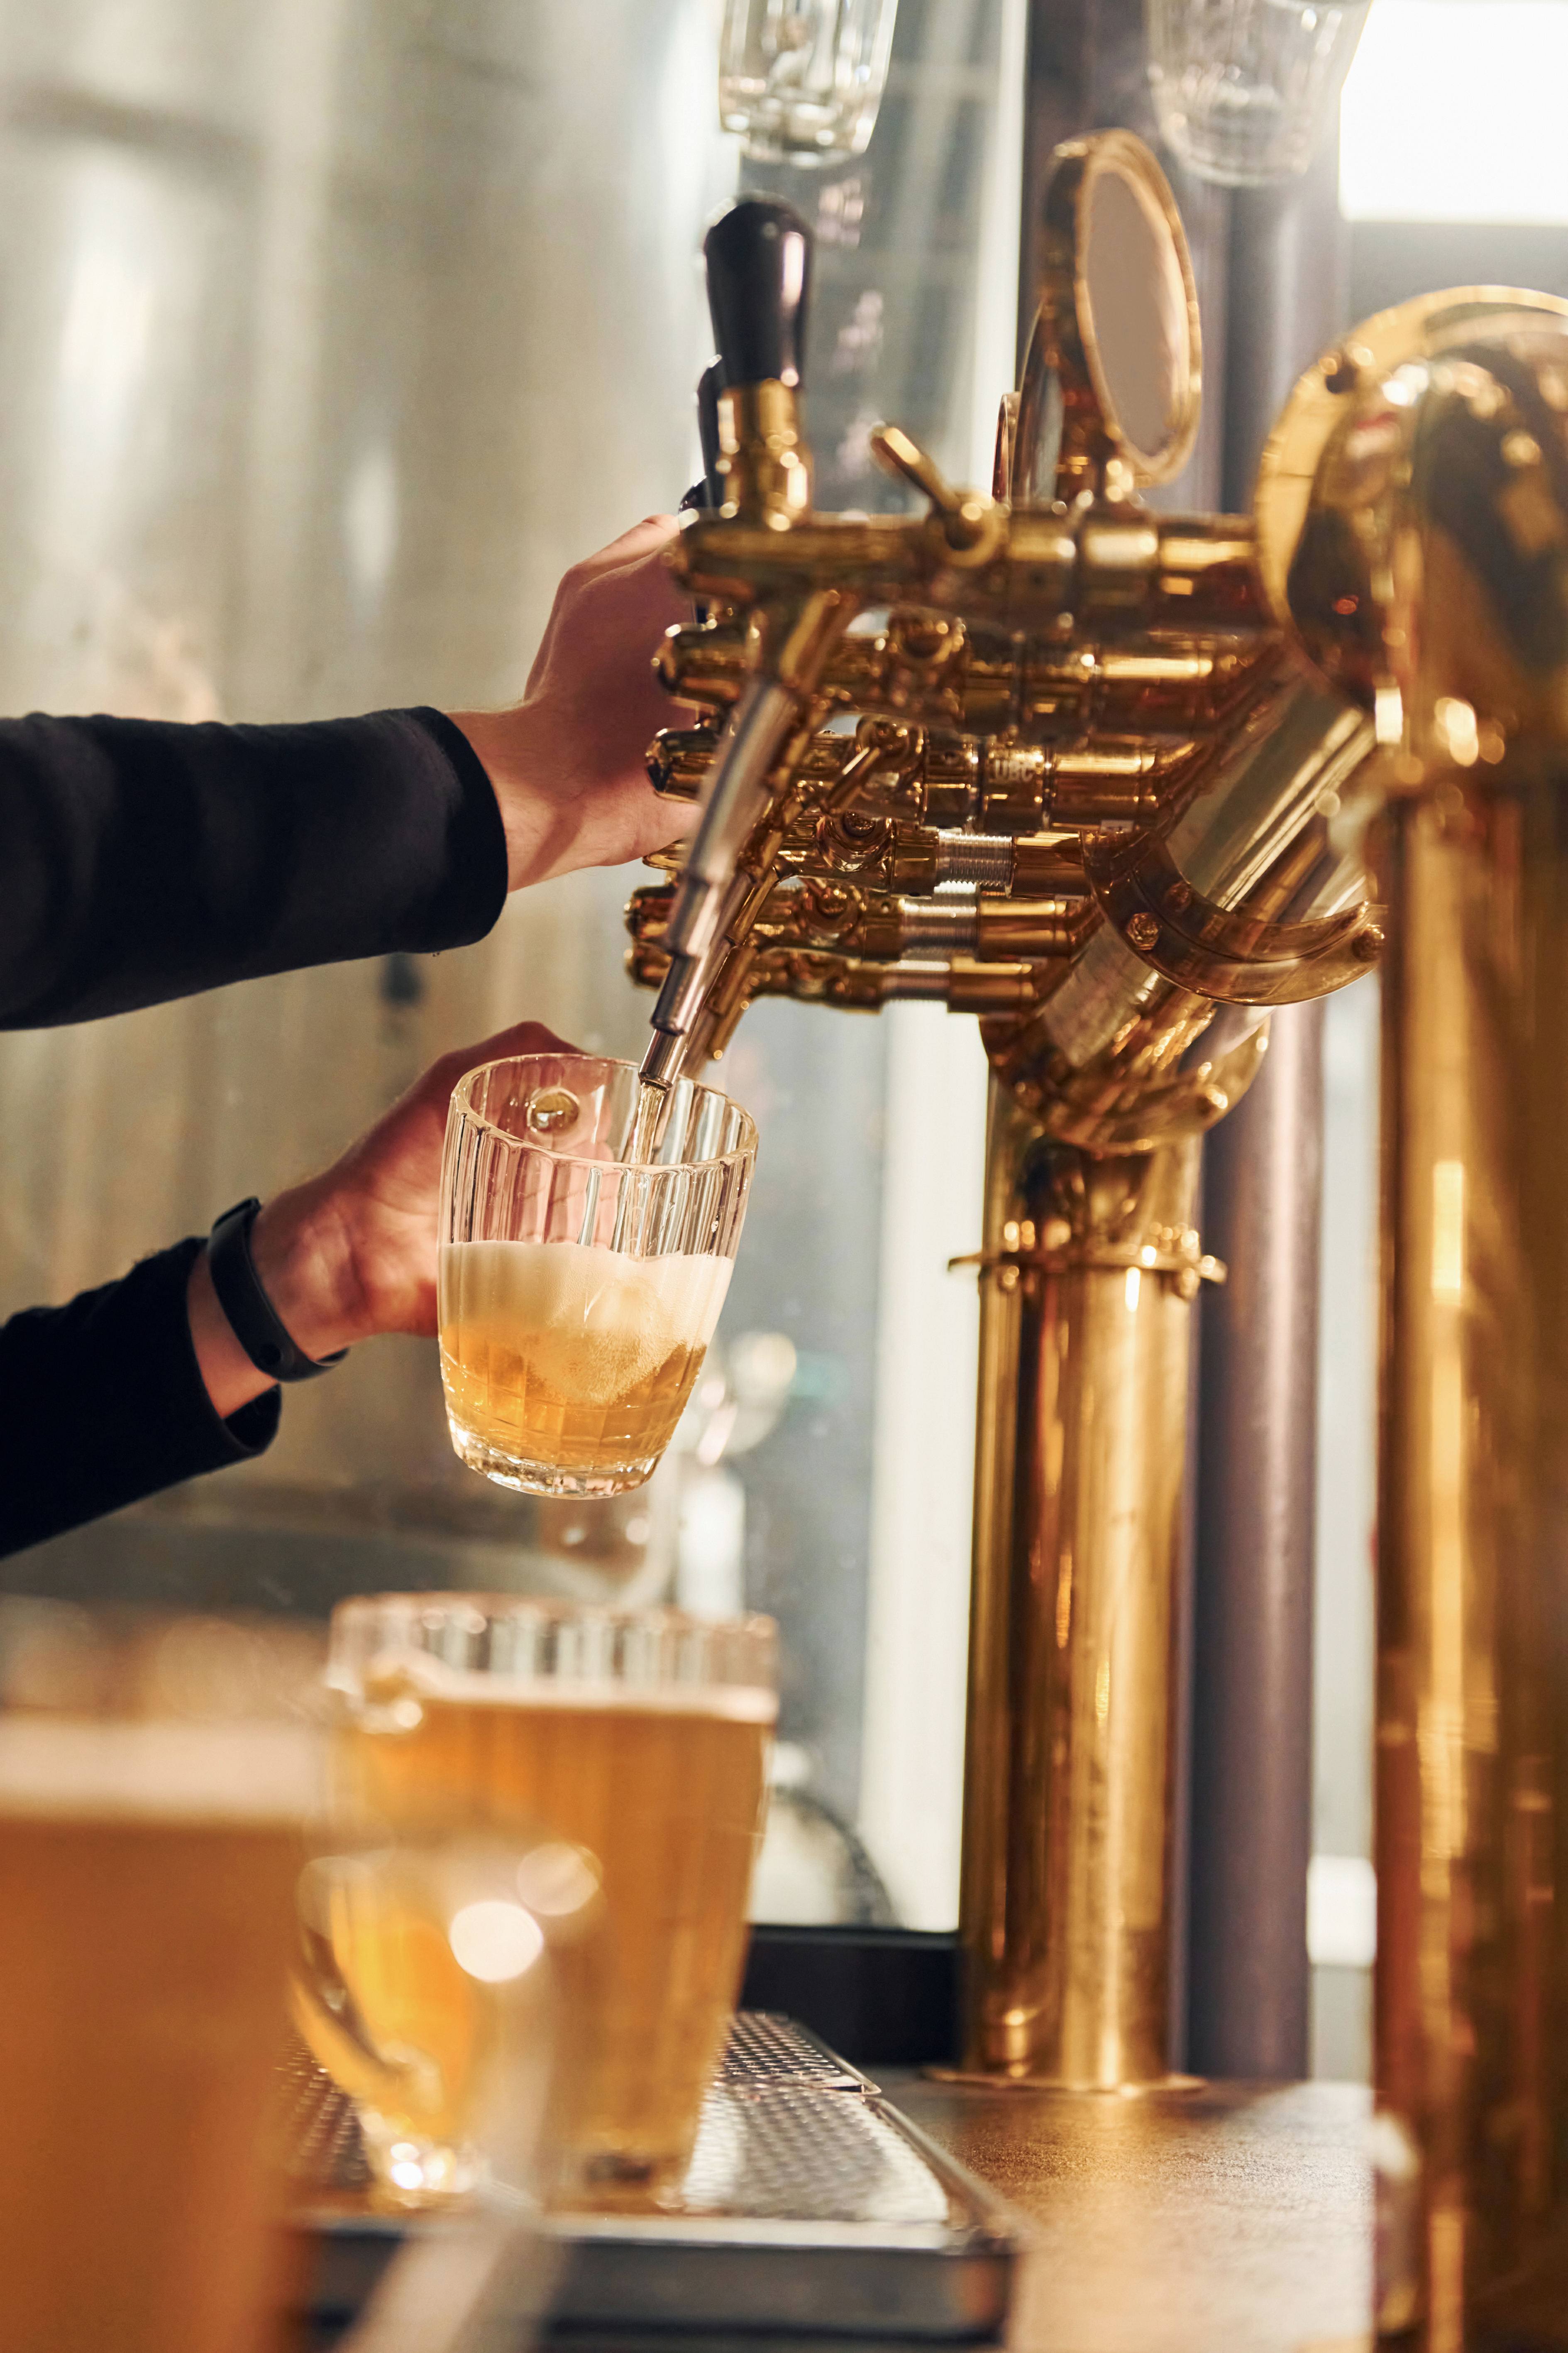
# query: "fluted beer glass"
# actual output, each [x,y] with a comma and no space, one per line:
[1247,92]
[640,1737]
[581,1279]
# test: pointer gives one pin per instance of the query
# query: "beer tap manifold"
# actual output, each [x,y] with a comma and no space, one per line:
[1036,672]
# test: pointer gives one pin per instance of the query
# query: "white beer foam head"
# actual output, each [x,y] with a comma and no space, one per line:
[245,1773]
[433,1678]
[593,1322]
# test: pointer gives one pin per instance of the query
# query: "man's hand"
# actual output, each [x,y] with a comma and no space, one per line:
[353,1251]
[567,762]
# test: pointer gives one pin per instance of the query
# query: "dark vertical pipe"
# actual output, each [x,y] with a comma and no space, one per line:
[1086,70]
[1252,1669]
[1248,1976]
[1290,279]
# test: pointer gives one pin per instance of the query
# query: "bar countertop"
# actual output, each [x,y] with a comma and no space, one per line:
[1234,2216]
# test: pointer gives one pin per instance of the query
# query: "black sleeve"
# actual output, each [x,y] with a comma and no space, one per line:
[102,1401]
[141,861]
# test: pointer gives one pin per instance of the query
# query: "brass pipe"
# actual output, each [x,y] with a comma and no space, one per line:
[1472,1780]
[764,467]
[1414,500]
[1088,1269]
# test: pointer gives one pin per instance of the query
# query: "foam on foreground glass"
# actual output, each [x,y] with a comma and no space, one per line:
[579,1282]
[1245,90]
[640,1737]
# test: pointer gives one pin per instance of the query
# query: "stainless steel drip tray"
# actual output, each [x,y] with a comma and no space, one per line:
[810,2208]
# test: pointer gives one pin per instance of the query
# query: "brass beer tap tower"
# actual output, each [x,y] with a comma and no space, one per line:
[1044,757]
[1413,515]
[1115,780]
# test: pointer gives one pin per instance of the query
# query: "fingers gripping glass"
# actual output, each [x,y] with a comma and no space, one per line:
[579,1287]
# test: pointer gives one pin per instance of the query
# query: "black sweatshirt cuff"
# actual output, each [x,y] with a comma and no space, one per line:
[102,1401]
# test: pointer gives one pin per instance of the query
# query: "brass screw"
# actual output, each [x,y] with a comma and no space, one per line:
[1143,931]
[1179,896]
[1367,946]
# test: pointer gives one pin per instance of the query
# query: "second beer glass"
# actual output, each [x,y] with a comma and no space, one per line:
[580,1283]
[641,1738]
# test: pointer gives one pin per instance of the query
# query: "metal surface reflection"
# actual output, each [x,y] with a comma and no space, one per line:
[1414,511]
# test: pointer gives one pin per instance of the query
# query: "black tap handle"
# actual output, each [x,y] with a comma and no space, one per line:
[710,490]
[758,278]
[710,385]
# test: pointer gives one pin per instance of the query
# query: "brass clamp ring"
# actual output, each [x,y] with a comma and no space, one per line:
[1186,1271]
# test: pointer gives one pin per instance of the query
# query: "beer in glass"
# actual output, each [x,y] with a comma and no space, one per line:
[641,1738]
[147,1878]
[584,1258]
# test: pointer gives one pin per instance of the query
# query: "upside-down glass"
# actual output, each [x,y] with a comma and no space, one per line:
[1246,89]
[153,1795]
[641,1737]
[579,1288]
[801,81]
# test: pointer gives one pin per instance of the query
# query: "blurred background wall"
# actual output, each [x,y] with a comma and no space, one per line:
[330,332]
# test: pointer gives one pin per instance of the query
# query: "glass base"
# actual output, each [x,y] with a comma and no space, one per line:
[410,2170]
[547,1478]
[621,2181]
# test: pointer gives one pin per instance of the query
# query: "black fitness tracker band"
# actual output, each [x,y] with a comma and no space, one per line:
[253,1319]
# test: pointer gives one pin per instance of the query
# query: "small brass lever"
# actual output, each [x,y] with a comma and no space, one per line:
[970,525]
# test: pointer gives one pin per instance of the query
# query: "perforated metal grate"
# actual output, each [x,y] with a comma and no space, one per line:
[807,2195]
[806,2155]
[317,2129]
[787,2133]
[765,2048]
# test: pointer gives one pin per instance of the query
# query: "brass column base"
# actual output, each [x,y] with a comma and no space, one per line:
[1089,1265]
[981,2080]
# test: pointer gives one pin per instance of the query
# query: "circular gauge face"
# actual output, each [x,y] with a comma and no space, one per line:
[1114,365]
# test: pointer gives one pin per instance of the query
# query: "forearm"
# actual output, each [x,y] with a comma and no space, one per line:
[104,1403]
[141,861]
